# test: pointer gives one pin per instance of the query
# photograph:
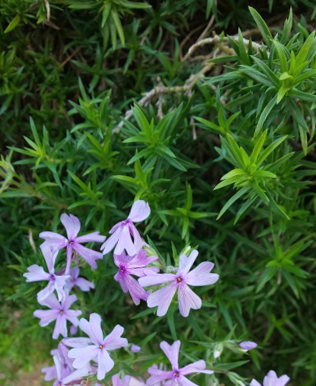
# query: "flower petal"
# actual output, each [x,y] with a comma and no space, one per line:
[254,383]
[122,259]
[50,373]
[187,299]
[88,254]
[136,382]
[283,380]
[196,367]
[72,316]
[138,241]
[46,316]
[84,284]
[77,342]
[114,340]
[51,302]
[71,224]
[83,355]
[94,236]
[69,258]
[162,298]
[69,300]
[74,273]
[84,326]
[159,278]
[116,381]
[49,256]
[95,328]
[187,262]
[270,379]
[201,275]
[135,289]
[60,282]
[60,326]
[141,260]
[125,242]
[105,364]
[157,376]
[76,376]
[172,352]
[111,241]
[139,212]
[36,273]
[44,293]
[120,278]
[183,381]
[57,366]
[53,239]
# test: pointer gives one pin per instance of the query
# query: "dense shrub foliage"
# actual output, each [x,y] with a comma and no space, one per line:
[201,109]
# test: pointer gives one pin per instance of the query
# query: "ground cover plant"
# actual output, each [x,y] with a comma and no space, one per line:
[157,192]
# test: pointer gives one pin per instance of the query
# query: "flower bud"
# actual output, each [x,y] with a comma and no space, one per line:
[135,348]
[218,349]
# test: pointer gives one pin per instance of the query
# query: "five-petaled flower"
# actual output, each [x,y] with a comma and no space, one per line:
[134,265]
[176,375]
[121,232]
[95,347]
[271,379]
[55,282]
[180,282]
[72,226]
[59,312]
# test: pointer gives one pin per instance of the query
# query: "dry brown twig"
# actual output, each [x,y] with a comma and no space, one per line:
[47,10]
[161,89]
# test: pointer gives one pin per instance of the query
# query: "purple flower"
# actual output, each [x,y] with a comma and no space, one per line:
[80,282]
[63,379]
[134,265]
[116,381]
[59,312]
[72,226]
[271,379]
[62,353]
[55,282]
[176,375]
[247,345]
[65,365]
[95,347]
[122,231]
[135,348]
[180,281]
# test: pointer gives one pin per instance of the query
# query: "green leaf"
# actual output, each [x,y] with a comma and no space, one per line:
[234,198]
[270,149]
[264,115]
[267,275]
[265,32]
[235,149]
[258,146]
[14,22]
[118,26]
[282,56]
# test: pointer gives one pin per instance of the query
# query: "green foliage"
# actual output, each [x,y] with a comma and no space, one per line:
[226,162]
